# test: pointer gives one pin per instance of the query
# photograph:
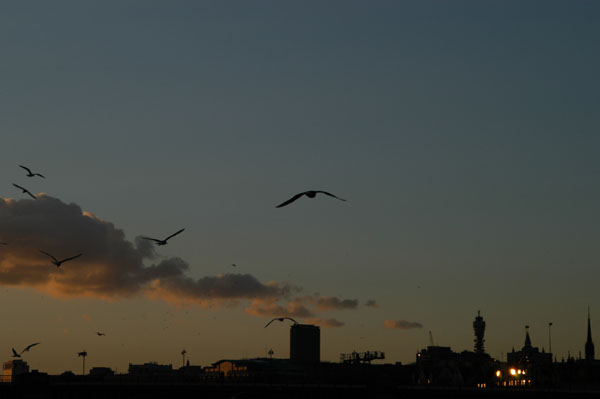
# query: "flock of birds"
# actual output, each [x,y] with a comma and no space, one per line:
[55,261]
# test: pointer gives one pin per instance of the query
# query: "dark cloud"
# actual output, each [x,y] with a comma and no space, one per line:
[371,303]
[326,323]
[334,303]
[402,324]
[111,266]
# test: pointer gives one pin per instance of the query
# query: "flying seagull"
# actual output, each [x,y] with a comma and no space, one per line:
[59,262]
[29,173]
[15,354]
[30,346]
[162,242]
[281,319]
[25,190]
[309,194]
[100,334]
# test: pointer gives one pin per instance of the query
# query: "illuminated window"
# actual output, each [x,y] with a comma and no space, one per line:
[513,371]
[498,373]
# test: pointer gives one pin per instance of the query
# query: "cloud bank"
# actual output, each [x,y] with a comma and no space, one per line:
[402,324]
[113,268]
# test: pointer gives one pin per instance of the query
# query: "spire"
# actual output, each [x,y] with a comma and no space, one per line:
[527,339]
[589,345]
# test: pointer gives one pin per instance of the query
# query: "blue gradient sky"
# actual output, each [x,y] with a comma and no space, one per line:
[464,135]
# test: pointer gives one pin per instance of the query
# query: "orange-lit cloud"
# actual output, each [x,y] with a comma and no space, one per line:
[326,323]
[112,267]
[371,303]
[402,324]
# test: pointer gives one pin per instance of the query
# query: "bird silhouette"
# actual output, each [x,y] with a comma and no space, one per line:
[100,334]
[162,242]
[3,243]
[309,194]
[27,348]
[59,262]
[281,319]
[30,346]
[25,190]
[29,173]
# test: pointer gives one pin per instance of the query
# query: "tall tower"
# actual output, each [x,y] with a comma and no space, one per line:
[479,327]
[305,344]
[589,345]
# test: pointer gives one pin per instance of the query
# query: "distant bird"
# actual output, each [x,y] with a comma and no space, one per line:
[30,346]
[15,354]
[281,319]
[25,190]
[100,334]
[3,243]
[29,173]
[233,264]
[309,194]
[59,262]
[162,242]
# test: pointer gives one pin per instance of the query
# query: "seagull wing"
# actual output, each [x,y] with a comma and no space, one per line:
[173,235]
[31,195]
[17,186]
[47,254]
[289,318]
[26,168]
[331,195]
[294,198]
[71,258]
[15,353]
[40,175]
[271,322]
[30,346]
[148,238]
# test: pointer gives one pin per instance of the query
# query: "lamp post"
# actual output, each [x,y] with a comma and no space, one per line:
[83,355]
[183,352]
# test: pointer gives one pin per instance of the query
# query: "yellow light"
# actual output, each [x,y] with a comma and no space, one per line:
[498,373]
[523,371]
[513,371]
[519,371]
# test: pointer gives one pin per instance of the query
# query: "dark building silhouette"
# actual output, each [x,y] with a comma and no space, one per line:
[479,328]
[305,343]
[589,345]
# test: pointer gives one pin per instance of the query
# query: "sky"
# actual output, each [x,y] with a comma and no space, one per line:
[463,135]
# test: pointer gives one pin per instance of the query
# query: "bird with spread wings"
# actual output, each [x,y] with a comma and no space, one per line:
[162,242]
[25,191]
[27,348]
[30,173]
[309,194]
[59,262]
[281,319]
